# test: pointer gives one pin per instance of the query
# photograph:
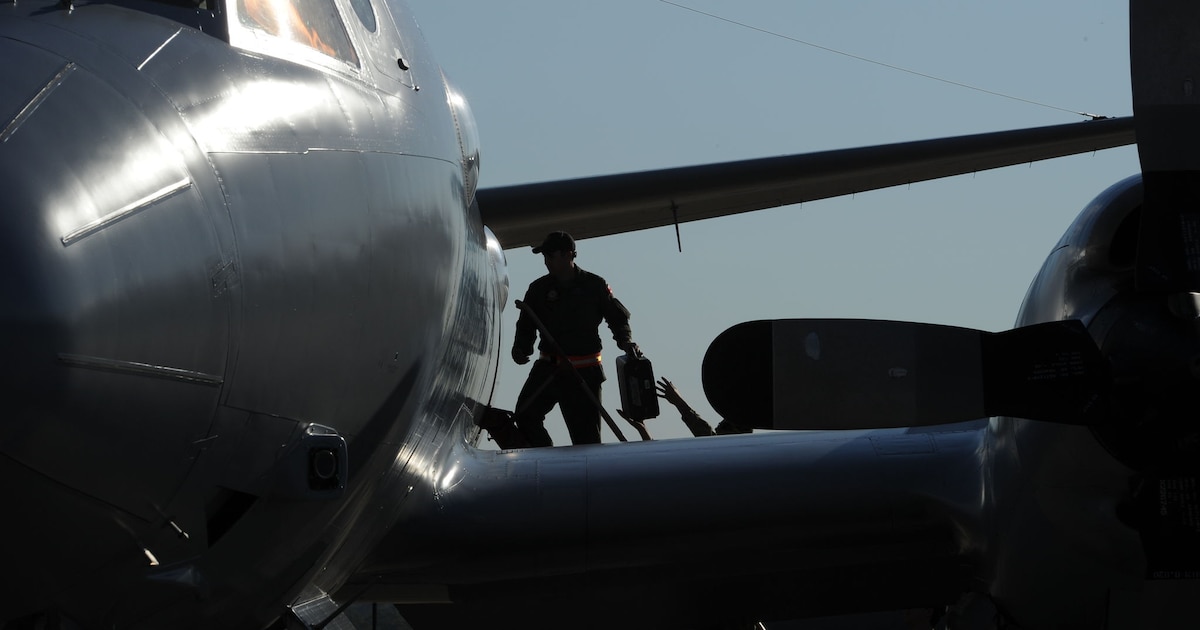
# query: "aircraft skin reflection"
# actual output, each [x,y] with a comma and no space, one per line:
[166,353]
[251,317]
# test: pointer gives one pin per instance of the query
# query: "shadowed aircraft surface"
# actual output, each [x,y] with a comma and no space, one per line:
[251,323]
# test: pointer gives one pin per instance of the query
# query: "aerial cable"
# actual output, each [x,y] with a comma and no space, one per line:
[880,63]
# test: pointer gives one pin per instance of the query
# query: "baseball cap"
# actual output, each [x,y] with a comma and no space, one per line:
[556,242]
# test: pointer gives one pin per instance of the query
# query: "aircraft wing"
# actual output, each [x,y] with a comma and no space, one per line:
[687,533]
[521,215]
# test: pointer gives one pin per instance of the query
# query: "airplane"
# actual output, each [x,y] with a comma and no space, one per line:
[926,252]
[251,325]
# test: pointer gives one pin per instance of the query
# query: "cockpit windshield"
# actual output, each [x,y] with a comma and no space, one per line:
[312,23]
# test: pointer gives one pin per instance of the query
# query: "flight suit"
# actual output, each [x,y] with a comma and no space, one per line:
[572,313]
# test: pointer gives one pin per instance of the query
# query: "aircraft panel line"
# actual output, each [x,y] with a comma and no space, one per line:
[152,55]
[140,369]
[37,100]
[125,212]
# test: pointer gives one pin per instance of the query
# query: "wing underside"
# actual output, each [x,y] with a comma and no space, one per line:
[597,206]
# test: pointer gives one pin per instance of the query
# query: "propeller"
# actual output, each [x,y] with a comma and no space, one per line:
[843,374]
[1132,378]
[859,374]
[1164,44]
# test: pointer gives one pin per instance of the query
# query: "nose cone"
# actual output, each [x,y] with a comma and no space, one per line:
[23,321]
[114,323]
[32,323]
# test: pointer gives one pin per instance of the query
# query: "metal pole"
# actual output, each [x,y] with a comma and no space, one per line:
[579,377]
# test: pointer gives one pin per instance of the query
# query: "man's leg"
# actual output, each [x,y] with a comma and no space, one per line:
[536,399]
[578,409]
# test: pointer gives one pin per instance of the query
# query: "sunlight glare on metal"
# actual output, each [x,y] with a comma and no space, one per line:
[110,190]
[451,476]
[258,105]
[419,463]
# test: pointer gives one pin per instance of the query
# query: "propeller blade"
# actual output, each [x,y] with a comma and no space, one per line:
[1164,49]
[867,374]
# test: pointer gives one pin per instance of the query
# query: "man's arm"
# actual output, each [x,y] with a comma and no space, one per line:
[695,424]
[526,334]
[617,317]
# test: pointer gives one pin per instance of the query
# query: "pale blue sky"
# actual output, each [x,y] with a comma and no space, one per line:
[571,88]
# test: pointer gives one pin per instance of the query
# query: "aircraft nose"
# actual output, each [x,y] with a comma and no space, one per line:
[115,337]
[27,321]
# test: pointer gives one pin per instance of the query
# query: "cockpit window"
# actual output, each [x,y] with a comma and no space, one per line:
[365,13]
[313,23]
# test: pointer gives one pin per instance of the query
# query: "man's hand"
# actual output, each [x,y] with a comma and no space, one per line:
[520,357]
[631,348]
[666,389]
[637,424]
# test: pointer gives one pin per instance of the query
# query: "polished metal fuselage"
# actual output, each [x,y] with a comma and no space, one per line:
[209,251]
[216,252]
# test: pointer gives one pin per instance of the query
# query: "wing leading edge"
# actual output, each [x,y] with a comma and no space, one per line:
[521,215]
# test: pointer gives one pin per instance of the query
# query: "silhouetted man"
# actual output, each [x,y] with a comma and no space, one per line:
[570,303]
